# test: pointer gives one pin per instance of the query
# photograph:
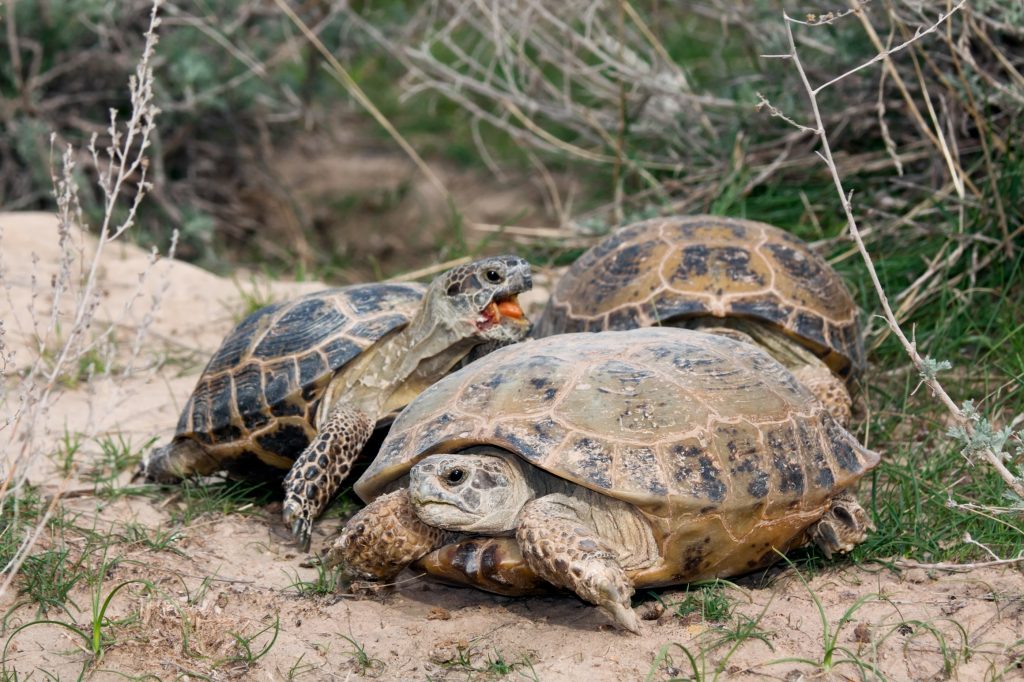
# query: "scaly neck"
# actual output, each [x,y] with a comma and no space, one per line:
[415,356]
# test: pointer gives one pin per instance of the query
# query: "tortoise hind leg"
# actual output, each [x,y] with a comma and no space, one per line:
[319,471]
[843,526]
[567,553]
[828,389]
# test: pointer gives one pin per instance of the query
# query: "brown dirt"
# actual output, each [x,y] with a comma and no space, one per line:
[915,625]
[335,191]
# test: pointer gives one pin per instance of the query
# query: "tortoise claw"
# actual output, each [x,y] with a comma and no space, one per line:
[301,531]
[300,526]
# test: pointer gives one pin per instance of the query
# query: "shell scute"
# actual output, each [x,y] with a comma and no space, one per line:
[305,324]
[220,392]
[312,366]
[285,437]
[795,261]
[697,476]
[677,422]
[641,465]
[237,343]
[366,300]
[249,395]
[280,381]
[764,308]
[340,350]
[588,459]
[376,327]
[843,453]
[275,364]
[668,270]
[534,439]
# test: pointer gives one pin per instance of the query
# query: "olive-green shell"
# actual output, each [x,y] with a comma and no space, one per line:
[668,269]
[254,406]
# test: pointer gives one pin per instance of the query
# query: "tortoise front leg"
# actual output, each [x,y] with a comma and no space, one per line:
[385,537]
[319,471]
[566,552]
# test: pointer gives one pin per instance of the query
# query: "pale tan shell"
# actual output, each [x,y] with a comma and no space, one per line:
[663,270]
[715,441]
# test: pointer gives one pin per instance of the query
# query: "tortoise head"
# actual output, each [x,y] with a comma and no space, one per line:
[480,491]
[478,301]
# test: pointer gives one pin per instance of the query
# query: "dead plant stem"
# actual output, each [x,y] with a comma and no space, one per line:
[988,454]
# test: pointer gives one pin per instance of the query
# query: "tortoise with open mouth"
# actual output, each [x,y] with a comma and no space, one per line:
[300,386]
[605,462]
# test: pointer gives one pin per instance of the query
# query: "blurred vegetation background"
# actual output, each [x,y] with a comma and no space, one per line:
[547,124]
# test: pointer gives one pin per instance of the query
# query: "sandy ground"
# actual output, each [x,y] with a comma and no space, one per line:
[230,576]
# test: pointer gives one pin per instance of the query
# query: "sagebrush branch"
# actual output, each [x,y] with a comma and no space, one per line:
[925,366]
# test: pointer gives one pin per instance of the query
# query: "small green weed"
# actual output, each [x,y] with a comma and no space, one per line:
[695,662]
[258,295]
[195,598]
[47,578]
[117,454]
[707,600]
[364,663]
[246,653]
[325,583]
[495,664]
[664,661]
[829,661]
[159,539]
[97,636]
[18,512]
[68,446]
[299,668]
[229,497]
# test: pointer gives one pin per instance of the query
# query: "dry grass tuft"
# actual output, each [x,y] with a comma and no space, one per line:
[69,337]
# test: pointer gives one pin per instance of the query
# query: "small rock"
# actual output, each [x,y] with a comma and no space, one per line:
[953,605]
[438,613]
[650,610]
[368,588]
[915,575]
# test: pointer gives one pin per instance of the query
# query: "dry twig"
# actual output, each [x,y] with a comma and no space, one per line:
[975,444]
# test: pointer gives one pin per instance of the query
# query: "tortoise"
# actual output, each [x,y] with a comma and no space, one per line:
[299,386]
[605,462]
[726,275]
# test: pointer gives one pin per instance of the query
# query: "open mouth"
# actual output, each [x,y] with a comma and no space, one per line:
[499,310]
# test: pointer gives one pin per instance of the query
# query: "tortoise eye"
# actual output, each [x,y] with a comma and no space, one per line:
[454,476]
[493,276]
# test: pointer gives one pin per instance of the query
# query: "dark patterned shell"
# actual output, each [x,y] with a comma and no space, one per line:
[668,269]
[257,396]
[711,438]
